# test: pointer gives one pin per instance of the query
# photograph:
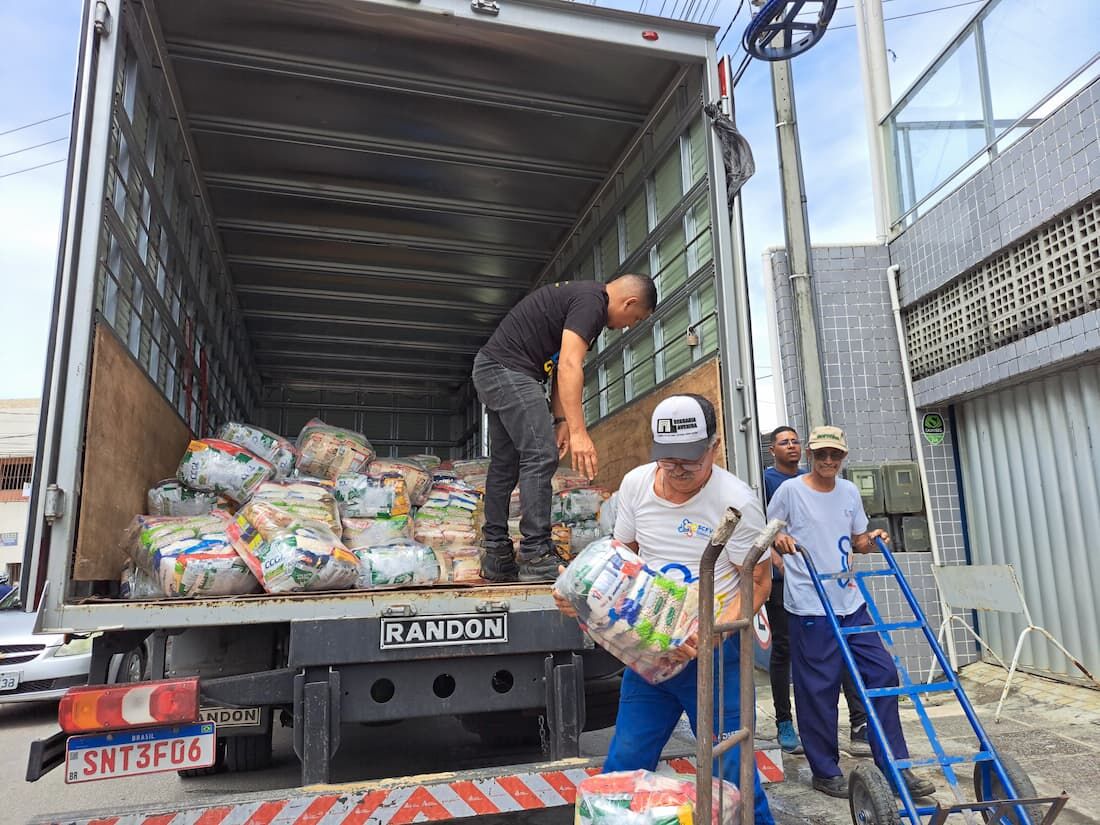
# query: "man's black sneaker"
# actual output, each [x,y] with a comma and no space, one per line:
[832,785]
[858,745]
[918,787]
[541,567]
[499,567]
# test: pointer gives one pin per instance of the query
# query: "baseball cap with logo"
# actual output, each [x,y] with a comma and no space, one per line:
[683,426]
[823,437]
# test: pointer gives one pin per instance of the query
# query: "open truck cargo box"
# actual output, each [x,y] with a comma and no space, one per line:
[278,210]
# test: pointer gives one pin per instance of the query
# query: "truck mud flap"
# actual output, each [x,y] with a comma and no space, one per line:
[429,798]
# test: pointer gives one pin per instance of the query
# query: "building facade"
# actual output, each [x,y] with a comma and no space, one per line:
[18,432]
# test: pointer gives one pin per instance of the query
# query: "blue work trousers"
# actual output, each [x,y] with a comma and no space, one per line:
[649,713]
[817,667]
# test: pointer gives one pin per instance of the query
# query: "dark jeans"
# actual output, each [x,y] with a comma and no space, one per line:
[779,665]
[818,665]
[523,449]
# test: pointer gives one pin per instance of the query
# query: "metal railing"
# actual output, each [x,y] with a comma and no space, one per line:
[1008,69]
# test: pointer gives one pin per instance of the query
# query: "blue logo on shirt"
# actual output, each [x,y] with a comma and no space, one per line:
[691,529]
[845,548]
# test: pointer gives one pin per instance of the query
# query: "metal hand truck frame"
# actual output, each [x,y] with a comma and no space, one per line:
[870,793]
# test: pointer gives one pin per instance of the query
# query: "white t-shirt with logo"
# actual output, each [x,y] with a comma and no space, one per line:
[671,537]
[824,524]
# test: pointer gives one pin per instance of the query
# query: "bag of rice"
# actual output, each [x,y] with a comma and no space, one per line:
[216,466]
[397,565]
[274,449]
[326,452]
[305,500]
[171,498]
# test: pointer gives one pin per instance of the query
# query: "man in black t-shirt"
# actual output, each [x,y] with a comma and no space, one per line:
[545,337]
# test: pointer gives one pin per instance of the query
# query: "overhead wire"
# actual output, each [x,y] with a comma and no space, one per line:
[36,123]
[32,168]
[36,146]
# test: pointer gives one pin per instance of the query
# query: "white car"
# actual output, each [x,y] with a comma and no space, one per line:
[33,668]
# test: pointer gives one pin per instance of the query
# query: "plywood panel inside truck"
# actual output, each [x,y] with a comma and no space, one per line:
[133,440]
[624,439]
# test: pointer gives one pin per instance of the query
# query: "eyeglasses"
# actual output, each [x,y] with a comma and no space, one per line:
[684,467]
[788,442]
[829,455]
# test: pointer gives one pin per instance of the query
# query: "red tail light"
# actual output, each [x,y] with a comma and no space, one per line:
[95,708]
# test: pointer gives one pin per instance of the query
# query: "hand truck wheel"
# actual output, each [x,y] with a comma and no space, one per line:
[988,786]
[870,798]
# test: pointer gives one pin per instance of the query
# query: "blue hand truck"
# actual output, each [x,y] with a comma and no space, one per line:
[1004,794]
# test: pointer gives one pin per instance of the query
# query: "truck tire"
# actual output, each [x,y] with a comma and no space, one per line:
[1020,781]
[217,767]
[248,753]
[601,702]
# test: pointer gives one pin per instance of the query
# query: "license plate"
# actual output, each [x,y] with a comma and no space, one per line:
[437,631]
[230,717]
[9,681]
[131,753]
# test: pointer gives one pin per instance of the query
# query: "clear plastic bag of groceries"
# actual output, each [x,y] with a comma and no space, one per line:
[216,466]
[373,532]
[305,500]
[459,564]
[277,451]
[577,504]
[608,511]
[186,557]
[418,480]
[567,479]
[327,452]
[646,798]
[635,613]
[289,555]
[406,564]
[372,495]
[426,460]
[171,497]
[449,518]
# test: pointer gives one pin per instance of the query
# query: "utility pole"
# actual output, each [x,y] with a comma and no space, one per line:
[871,37]
[796,230]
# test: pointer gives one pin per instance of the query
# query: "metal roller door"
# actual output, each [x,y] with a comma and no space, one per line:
[1030,459]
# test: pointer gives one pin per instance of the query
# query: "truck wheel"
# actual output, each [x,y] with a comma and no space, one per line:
[994,789]
[248,753]
[217,767]
[601,702]
[870,799]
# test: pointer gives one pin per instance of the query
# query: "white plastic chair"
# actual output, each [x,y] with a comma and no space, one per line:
[995,588]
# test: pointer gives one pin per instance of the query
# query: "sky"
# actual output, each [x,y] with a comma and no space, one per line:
[37,72]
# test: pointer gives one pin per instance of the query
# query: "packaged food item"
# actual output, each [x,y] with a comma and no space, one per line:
[173,498]
[450,516]
[368,532]
[277,451]
[289,555]
[397,565]
[186,557]
[607,514]
[303,500]
[216,466]
[426,460]
[632,611]
[137,584]
[327,452]
[583,534]
[647,798]
[373,495]
[459,565]
[562,537]
[565,478]
[418,481]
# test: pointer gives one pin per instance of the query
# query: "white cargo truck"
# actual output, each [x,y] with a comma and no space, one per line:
[277,210]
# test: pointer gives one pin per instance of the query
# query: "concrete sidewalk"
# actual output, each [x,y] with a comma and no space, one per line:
[1053,730]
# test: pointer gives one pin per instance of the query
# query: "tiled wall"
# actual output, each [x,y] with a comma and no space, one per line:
[1040,176]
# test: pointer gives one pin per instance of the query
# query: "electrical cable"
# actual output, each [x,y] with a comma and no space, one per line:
[917,13]
[36,146]
[733,20]
[36,123]
[32,168]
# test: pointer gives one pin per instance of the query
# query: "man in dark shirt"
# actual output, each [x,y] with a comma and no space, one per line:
[545,337]
[786,449]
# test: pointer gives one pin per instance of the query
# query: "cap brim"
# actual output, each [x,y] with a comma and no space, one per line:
[688,451]
[826,445]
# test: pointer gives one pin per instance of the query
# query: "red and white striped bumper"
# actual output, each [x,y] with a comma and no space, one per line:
[433,798]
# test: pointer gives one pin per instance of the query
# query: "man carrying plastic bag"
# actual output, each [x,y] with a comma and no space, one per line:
[667,512]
